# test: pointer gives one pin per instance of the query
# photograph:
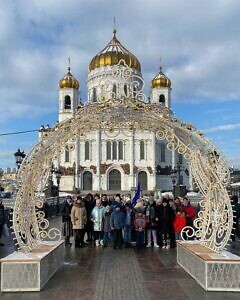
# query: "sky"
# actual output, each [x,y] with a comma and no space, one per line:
[198,42]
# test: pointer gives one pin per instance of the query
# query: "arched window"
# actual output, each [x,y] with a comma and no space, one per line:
[114,89]
[67,102]
[114,155]
[94,95]
[114,180]
[67,154]
[109,148]
[142,180]
[120,150]
[87,151]
[125,90]
[142,150]
[87,181]
[163,153]
[162,99]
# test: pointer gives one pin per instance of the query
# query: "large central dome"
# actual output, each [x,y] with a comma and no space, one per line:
[112,54]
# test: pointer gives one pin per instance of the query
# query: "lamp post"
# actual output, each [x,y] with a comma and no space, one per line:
[58,175]
[74,177]
[19,156]
[176,170]
[173,177]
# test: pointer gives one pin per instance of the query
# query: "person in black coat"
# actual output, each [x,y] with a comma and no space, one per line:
[165,216]
[89,205]
[66,220]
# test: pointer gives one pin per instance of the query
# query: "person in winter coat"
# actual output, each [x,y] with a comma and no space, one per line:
[140,225]
[106,226]
[105,201]
[189,211]
[117,224]
[128,225]
[179,223]
[97,217]
[89,205]
[165,222]
[79,220]
[117,202]
[67,229]
[151,224]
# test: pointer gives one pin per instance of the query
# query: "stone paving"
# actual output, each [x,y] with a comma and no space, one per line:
[98,273]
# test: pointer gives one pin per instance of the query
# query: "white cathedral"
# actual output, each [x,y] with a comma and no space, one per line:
[102,162]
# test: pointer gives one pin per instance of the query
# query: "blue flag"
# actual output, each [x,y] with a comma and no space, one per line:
[136,196]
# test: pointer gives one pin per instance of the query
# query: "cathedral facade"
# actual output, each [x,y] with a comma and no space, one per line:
[117,160]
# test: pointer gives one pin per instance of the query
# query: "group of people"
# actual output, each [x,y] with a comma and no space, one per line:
[117,221]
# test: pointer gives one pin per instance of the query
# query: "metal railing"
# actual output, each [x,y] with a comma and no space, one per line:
[52,209]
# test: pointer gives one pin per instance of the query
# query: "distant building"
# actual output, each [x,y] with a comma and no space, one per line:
[118,161]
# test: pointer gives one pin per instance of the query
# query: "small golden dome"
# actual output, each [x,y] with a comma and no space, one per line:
[69,81]
[160,80]
[112,54]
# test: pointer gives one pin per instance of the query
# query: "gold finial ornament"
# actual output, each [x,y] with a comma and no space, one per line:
[114,26]
[113,53]
[69,81]
[160,80]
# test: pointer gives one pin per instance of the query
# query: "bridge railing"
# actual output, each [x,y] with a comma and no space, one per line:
[52,209]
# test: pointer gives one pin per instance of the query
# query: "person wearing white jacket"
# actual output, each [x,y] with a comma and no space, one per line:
[97,218]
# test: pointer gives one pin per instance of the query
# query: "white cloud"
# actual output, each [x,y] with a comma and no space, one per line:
[37,37]
[226,127]
[197,41]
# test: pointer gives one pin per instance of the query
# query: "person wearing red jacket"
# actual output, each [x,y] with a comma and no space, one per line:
[179,223]
[189,211]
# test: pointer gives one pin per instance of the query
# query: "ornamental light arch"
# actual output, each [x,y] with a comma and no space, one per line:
[118,113]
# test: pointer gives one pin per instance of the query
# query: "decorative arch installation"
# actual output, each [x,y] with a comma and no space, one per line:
[117,114]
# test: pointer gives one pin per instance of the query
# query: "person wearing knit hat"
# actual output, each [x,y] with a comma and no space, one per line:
[106,226]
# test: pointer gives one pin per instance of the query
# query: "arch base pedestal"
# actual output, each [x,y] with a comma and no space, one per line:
[213,271]
[21,272]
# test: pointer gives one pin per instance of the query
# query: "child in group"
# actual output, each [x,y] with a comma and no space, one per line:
[140,225]
[179,223]
[106,226]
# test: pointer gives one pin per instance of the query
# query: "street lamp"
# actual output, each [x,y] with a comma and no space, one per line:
[19,156]
[74,177]
[173,177]
[58,175]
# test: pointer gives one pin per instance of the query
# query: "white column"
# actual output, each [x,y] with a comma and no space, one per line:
[153,160]
[80,159]
[132,160]
[77,160]
[98,156]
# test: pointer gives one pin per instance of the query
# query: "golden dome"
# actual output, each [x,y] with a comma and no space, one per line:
[112,54]
[160,80]
[68,81]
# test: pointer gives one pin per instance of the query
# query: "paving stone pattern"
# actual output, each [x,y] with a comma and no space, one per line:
[120,277]
[94,273]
